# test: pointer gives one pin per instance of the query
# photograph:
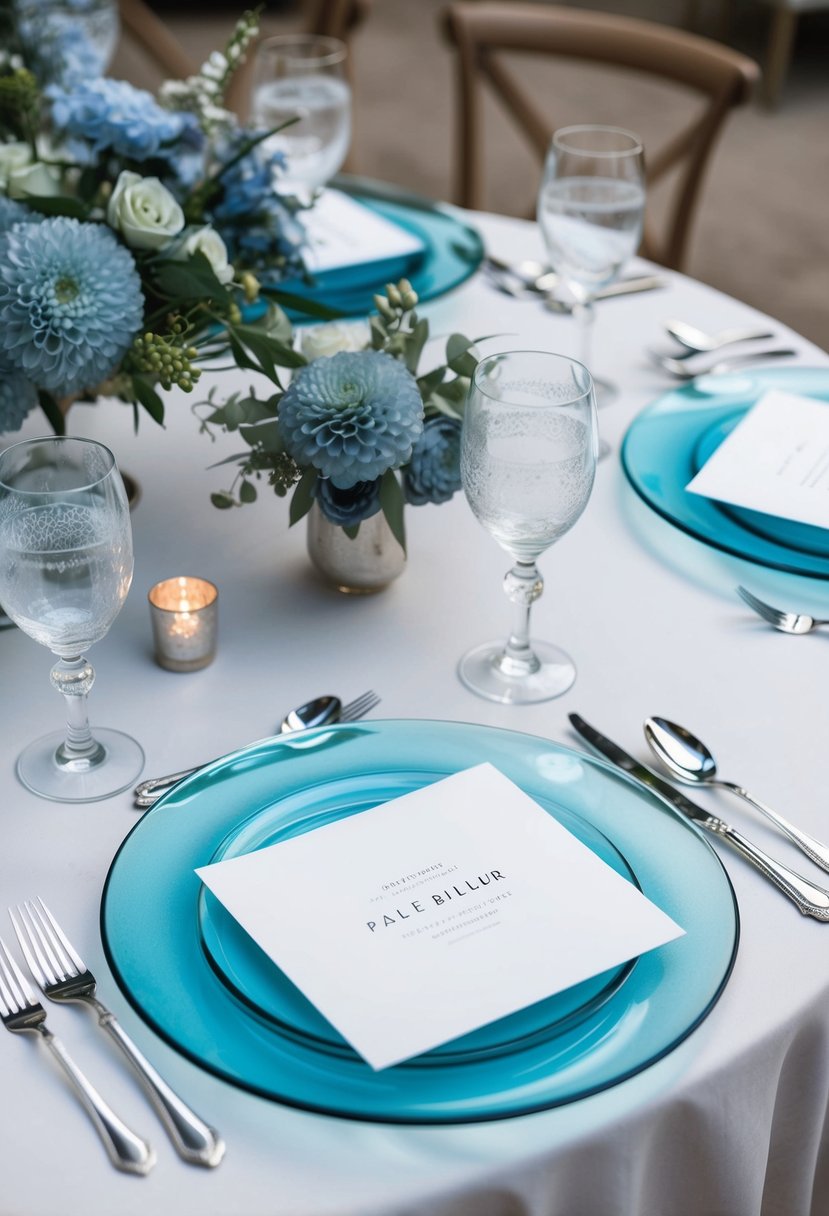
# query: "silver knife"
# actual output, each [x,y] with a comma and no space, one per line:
[811,900]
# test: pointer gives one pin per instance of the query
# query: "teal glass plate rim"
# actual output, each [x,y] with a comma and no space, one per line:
[152,939]
[453,249]
[667,442]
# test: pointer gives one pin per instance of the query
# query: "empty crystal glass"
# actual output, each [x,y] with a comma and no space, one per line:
[65,570]
[528,461]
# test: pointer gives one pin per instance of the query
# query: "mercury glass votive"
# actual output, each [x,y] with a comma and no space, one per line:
[184,613]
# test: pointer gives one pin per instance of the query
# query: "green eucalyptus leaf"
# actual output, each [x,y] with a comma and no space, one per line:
[223,500]
[193,279]
[247,492]
[415,343]
[431,380]
[303,496]
[50,408]
[149,398]
[392,503]
[351,530]
[45,205]
[265,435]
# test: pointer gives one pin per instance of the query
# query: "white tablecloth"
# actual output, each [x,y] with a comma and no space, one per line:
[733,1122]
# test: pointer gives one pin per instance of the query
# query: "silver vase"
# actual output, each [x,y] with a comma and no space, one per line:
[359,566]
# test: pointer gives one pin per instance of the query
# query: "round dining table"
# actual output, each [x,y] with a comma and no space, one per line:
[735,1120]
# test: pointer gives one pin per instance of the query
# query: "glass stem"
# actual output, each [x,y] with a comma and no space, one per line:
[585,316]
[523,585]
[79,752]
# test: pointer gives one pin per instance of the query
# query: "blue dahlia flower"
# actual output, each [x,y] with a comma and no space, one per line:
[17,397]
[348,507]
[113,115]
[12,212]
[352,416]
[434,471]
[70,302]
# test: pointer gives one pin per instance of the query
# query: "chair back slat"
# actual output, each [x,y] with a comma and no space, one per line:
[483,32]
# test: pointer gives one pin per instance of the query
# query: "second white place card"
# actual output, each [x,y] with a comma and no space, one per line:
[428,916]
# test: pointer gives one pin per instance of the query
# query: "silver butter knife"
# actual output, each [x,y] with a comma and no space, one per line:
[811,900]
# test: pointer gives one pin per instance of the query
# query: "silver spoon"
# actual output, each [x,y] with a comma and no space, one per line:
[689,760]
[697,340]
[705,367]
[318,712]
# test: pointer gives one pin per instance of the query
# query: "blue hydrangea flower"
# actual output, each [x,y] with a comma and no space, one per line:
[70,302]
[348,507]
[352,416]
[258,226]
[17,397]
[12,212]
[434,471]
[113,115]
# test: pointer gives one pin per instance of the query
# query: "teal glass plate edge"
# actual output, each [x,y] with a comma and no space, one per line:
[658,458]
[453,250]
[150,927]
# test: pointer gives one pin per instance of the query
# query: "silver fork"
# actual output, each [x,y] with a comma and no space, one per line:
[149,792]
[21,1012]
[786,622]
[62,974]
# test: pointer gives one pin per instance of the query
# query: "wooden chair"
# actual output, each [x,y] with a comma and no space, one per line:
[482,32]
[148,31]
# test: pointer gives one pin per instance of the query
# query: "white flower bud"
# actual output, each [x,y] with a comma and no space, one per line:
[321,340]
[13,156]
[34,181]
[206,241]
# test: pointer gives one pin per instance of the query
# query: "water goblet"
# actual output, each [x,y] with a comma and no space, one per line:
[591,207]
[528,461]
[304,76]
[65,569]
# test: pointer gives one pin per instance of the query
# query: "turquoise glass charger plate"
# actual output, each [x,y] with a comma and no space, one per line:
[452,251]
[671,439]
[196,979]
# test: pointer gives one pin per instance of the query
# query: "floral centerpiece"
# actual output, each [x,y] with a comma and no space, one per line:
[133,228]
[357,430]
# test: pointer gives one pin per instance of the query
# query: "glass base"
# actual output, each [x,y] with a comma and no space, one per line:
[479,671]
[40,772]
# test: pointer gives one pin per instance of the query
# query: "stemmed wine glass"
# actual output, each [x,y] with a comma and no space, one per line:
[65,570]
[528,461]
[591,209]
[304,76]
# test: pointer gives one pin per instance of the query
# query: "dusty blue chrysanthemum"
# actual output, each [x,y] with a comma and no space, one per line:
[348,507]
[352,416]
[434,471]
[70,302]
[12,212]
[17,397]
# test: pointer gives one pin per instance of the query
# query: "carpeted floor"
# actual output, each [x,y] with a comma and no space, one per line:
[762,232]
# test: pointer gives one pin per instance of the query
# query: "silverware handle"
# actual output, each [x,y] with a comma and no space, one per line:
[814,849]
[193,1139]
[810,900]
[726,363]
[126,1151]
[154,786]
[624,287]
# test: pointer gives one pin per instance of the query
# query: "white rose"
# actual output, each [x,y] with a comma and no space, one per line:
[207,241]
[332,338]
[144,211]
[13,156]
[34,181]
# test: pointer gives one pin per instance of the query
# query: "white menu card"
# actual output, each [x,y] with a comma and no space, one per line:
[428,916]
[776,460]
[342,232]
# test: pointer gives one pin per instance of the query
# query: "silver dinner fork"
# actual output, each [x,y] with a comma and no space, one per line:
[786,622]
[62,974]
[21,1012]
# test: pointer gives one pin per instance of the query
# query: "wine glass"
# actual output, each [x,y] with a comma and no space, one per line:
[591,209]
[528,460]
[304,76]
[65,570]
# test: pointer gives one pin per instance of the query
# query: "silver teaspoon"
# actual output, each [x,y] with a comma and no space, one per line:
[689,760]
[318,712]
